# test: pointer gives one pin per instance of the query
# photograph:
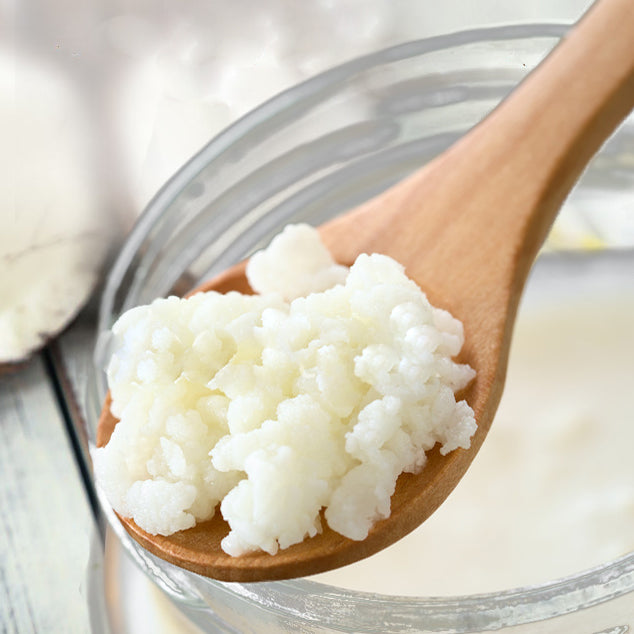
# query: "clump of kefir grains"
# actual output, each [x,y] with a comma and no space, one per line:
[276,406]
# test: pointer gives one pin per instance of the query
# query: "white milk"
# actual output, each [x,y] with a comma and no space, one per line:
[552,490]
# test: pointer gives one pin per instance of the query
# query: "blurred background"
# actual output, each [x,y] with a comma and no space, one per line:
[102,100]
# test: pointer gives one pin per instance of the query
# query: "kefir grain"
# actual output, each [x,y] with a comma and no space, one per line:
[284,403]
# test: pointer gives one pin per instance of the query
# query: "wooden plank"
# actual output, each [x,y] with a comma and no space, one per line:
[74,349]
[46,523]
[69,362]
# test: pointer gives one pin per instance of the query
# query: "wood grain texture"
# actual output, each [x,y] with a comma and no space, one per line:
[467,227]
[46,521]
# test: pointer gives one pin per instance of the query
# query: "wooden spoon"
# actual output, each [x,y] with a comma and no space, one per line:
[467,227]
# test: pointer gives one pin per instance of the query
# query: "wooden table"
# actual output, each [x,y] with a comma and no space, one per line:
[50,520]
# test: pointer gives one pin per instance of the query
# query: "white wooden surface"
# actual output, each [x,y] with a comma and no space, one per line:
[47,523]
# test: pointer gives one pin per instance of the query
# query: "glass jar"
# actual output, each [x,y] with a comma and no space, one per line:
[310,153]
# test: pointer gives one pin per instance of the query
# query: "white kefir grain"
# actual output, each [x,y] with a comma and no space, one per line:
[281,404]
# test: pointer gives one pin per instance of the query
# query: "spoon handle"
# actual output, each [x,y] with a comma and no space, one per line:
[469,224]
[500,187]
[538,142]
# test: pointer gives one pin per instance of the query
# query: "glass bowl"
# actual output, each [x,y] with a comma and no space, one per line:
[308,154]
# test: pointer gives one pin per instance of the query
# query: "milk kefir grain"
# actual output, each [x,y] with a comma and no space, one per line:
[278,405]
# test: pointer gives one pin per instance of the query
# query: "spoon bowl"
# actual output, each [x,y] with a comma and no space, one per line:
[467,228]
